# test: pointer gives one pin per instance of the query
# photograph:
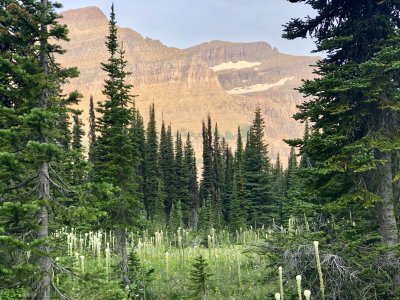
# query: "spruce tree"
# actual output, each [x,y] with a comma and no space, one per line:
[257,176]
[199,277]
[181,181]
[207,181]
[32,140]
[151,164]
[193,188]
[78,171]
[279,186]
[353,109]
[167,167]
[92,130]
[228,183]
[238,208]
[116,159]
[351,137]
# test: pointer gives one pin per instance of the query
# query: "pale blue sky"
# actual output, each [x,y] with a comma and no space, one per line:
[184,23]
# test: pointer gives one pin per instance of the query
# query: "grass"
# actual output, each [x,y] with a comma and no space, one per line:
[236,274]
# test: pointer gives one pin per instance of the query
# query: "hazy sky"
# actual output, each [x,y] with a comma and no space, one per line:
[184,23]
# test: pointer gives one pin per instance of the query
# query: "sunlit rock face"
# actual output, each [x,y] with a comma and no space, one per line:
[223,79]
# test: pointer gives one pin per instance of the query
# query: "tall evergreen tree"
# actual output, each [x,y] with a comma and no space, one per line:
[151,164]
[350,138]
[139,140]
[116,159]
[31,139]
[279,186]
[92,130]
[167,162]
[207,182]
[193,188]
[238,208]
[228,183]
[256,167]
[353,108]
[181,181]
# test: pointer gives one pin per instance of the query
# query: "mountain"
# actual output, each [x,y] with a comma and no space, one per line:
[225,80]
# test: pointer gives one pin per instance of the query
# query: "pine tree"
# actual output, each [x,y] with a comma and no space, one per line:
[207,182]
[279,184]
[238,208]
[257,177]
[78,171]
[199,277]
[181,180]
[305,161]
[151,164]
[191,173]
[228,184]
[176,219]
[218,178]
[116,159]
[92,130]
[167,166]
[138,137]
[354,115]
[31,139]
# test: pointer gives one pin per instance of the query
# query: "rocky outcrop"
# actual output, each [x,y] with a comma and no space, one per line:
[225,80]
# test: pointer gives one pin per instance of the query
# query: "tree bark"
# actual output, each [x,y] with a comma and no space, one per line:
[385,208]
[43,259]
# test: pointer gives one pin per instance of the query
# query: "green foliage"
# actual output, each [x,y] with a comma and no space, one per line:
[257,177]
[151,165]
[199,279]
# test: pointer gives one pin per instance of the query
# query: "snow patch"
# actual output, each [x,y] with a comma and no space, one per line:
[258,87]
[241,64]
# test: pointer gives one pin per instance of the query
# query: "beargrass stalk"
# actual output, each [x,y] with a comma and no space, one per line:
[321,278]
[281,281]
[298,282]
[307,294]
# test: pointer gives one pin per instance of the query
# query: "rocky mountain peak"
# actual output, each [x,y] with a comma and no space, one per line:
[87,16]
[224,79]
[217,52]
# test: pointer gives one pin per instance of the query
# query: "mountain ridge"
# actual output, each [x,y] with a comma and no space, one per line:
[224,79]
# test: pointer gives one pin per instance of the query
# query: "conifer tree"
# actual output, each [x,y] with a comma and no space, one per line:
[31,139]
[116,159]
[353,123]
[199,277]
[228,183]
[77,159]
[279,184]
[238,208]
[181,180]
[167,166]
[176,219]
[191,171]
[218,177]
[92,130]
[207,182]
[256,167]
[305,161]
[139,140]
[151,164]
[353,107]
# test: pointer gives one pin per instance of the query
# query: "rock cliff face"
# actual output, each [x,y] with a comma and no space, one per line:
[225,80]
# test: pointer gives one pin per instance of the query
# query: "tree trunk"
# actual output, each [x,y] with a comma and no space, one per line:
[124,257]
[385,208]
[43,260]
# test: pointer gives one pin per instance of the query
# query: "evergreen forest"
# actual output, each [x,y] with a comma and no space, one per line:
[134,215]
